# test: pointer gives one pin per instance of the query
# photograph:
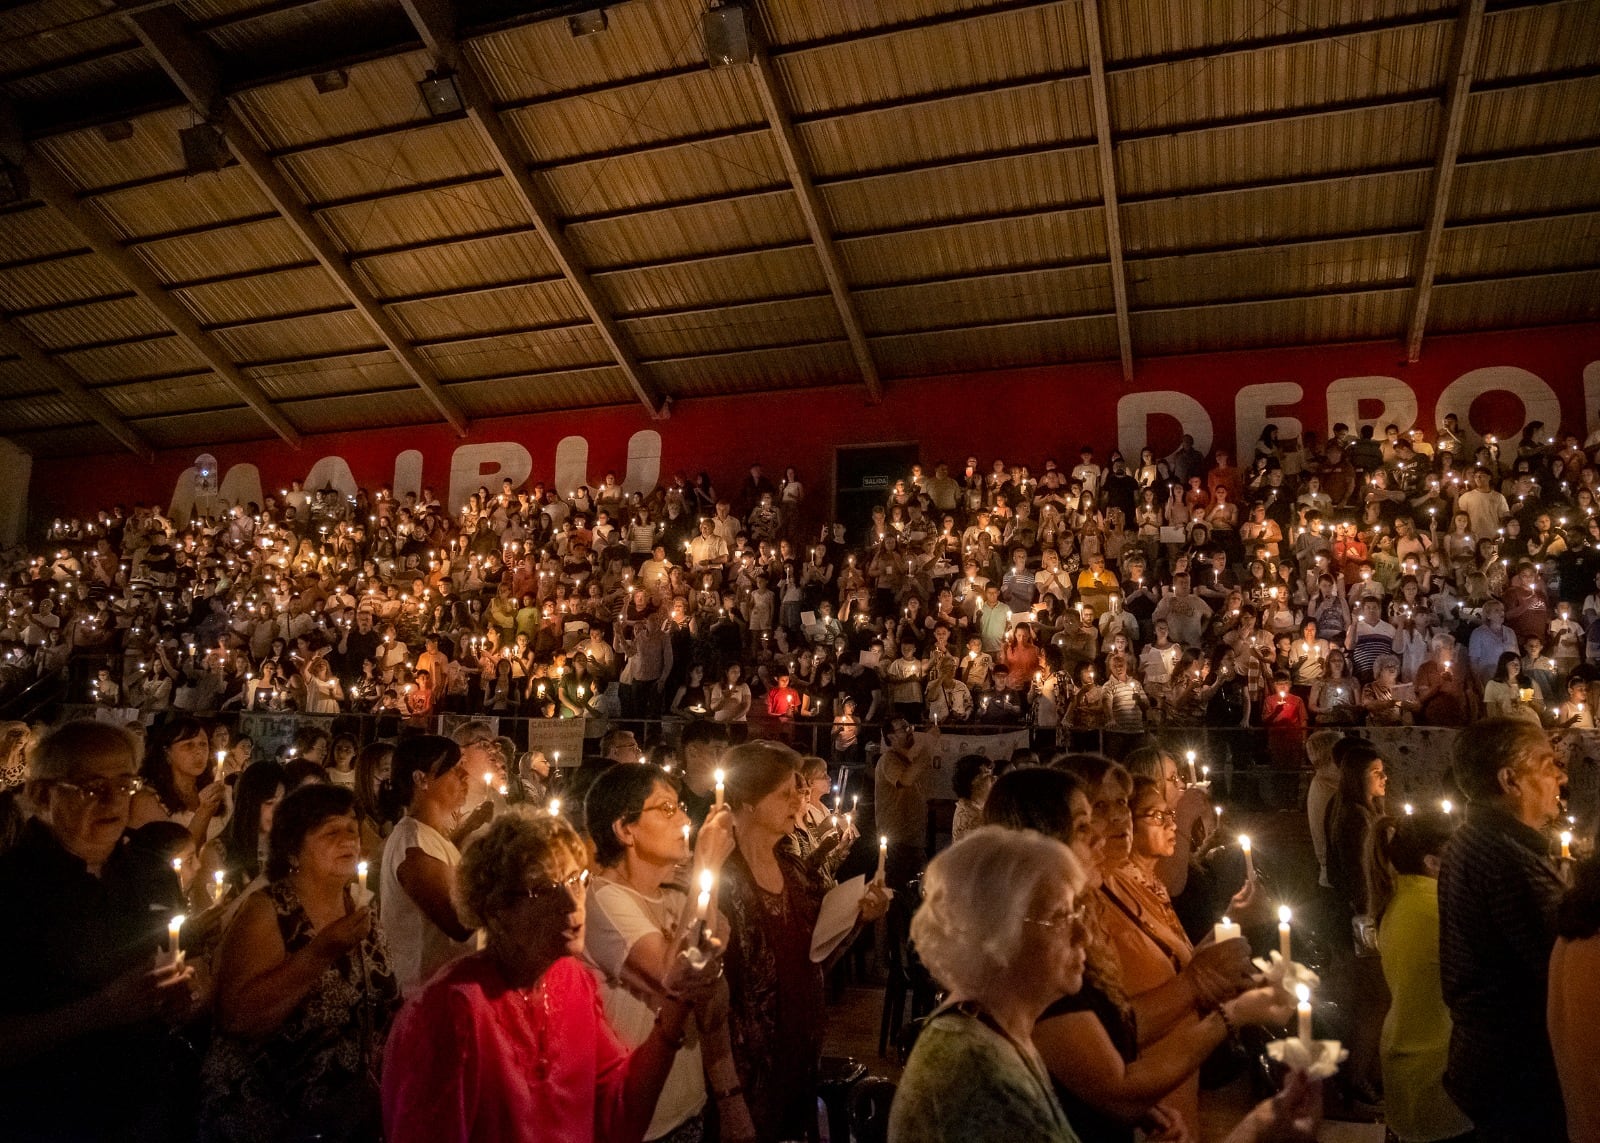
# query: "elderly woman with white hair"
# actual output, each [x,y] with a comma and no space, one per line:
[1383,705]
[1002,928]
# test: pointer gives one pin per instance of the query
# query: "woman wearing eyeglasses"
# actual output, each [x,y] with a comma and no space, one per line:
[636,900]
[511,1044]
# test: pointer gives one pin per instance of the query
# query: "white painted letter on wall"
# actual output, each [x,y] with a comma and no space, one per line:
[1135,410]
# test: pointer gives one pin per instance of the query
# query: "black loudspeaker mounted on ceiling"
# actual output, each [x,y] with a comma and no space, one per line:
[727,35]
[204,148]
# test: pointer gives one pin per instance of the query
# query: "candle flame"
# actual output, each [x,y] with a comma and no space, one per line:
[1284,914]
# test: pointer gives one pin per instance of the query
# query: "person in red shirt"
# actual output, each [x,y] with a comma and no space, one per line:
[1284,716]
[511,1044]
[783,701]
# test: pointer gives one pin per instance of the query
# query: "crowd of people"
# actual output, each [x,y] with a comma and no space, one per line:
[1377,579]
[405,935]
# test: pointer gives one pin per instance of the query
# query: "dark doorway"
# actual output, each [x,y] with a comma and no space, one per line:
[862,478]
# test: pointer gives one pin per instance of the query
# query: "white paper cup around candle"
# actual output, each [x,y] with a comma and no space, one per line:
[883,859]
[720,792]
[1225,930]
[1283,934]
[1302,994]
[1249,861]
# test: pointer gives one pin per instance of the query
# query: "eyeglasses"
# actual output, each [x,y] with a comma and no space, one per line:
[1165,817]
[1061,918]
[104,790]
[668,808]
[572,886]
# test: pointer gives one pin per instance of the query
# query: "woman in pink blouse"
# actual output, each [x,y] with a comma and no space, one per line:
[510,1044]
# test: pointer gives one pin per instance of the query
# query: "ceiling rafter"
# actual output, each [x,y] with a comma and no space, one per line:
[190,65]
[435,21]
[1430,243]
[1106,155]
[14,339]
[812,210]
[50,187]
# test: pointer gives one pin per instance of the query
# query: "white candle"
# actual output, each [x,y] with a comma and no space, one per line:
[883,858]
[1283,934]
[555,807]
[1249,861]
[1302,993]
[719,776]
[702,906]
[686,837]
[177,867]
[1566,845]
[174,952]
[1225,930]
[1192,775]
[361,877]
[1444,804]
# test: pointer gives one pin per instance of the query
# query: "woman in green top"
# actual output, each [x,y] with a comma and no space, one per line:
[1002,928]
[1404,897]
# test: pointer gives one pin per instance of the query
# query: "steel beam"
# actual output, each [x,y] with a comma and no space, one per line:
[813,211]
[1430,243]
[436,22]
[1108,179]
[193,69]
[49,187]
[14,339]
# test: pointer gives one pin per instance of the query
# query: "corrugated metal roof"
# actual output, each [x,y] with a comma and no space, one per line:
[791,367]
[352,373]
[734,327]
[569,389]
[990,300]
[997,347]
[39,412]
[518,353]
[1306,267]
[1000,47]
[201,429]
[1352,205]
[79,440]
[1521,247]
[1292,321]
[1274,164]
[976,248]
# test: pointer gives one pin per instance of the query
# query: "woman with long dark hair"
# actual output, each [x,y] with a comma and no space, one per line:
[177,773]
[239,851]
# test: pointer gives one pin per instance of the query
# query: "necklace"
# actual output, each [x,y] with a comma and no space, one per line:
[540,1027]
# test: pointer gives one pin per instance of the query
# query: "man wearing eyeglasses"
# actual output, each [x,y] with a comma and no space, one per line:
[83,1050]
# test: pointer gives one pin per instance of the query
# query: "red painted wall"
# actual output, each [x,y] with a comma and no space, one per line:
[1021,415]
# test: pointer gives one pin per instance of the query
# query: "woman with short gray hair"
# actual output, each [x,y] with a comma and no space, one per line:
[1002,928]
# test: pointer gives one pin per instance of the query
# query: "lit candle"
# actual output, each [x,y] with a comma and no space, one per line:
[1302,993]
[1283,933]
[1566,845]
[1409,810]
[702,906]
[555,807]
[1249,861]
[1192,776]
[174,952]
[686,836]
[1444,804]
[719,776]
[883,859]
[361,877]
[1225,930]
[177,867]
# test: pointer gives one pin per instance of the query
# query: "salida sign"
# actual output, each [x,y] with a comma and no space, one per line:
[1495,383]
